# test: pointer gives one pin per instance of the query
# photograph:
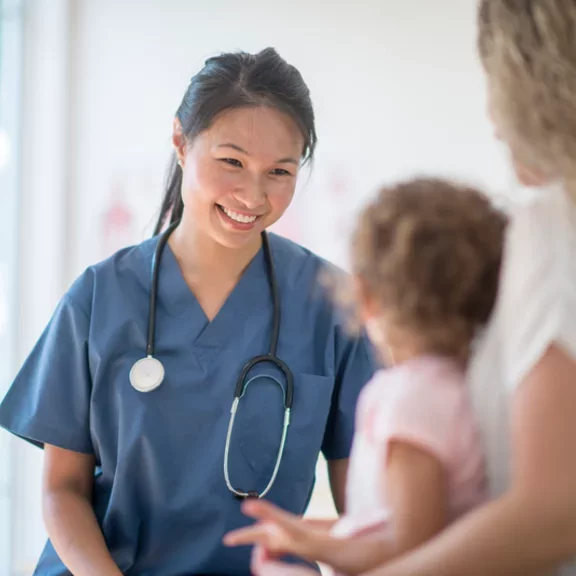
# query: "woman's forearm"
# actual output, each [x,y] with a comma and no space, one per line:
[507,537]
[76,536]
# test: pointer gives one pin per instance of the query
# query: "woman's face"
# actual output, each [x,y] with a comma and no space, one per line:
[239,175]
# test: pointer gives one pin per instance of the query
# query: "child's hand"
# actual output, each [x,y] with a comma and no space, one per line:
[277,531]
[263,565]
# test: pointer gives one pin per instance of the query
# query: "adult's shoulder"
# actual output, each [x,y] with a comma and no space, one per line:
[121,270]
[549,213]
[540,244]
[298,266]
[537,298]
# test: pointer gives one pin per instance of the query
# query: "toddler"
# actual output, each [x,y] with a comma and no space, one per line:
[426,257]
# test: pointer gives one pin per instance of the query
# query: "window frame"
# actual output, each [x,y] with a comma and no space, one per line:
[11,53]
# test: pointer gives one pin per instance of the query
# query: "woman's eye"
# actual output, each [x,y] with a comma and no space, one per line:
[280,172]
[232,162]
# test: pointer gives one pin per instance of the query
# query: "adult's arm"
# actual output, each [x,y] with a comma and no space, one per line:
[69,516]
[531,529]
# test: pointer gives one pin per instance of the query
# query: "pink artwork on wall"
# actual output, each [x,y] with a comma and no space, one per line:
[117,224]
[340,191]
[338,186]
[340,196]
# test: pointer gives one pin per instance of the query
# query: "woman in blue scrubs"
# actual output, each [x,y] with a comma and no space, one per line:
[134,481]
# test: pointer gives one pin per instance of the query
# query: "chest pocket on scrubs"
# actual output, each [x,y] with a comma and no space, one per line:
[259,420]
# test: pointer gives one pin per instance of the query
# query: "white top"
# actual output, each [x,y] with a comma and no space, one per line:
[536,307]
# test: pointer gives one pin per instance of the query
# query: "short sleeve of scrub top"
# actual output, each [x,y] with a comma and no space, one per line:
[355,364]
[49,401]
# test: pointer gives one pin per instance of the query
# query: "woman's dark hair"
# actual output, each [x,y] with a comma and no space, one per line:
[238,80]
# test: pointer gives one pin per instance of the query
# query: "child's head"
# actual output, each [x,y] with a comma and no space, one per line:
[426,258]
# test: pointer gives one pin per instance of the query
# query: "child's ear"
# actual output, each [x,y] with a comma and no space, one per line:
[367,304]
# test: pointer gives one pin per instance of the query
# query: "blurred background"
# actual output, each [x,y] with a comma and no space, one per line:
[88,89]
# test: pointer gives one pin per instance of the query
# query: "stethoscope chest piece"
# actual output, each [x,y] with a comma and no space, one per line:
[147,374]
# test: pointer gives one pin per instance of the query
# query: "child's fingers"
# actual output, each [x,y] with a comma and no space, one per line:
[244,536]
[273,568]
[259,556]
[263,510]
[268,535]
[323,524]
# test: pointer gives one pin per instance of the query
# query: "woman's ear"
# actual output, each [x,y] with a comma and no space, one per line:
[179,141]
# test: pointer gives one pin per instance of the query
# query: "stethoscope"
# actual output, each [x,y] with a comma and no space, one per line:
[148,372]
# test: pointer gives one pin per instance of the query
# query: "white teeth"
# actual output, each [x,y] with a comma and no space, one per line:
[243,218]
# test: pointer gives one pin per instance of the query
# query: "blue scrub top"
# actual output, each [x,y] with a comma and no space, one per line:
[159,491]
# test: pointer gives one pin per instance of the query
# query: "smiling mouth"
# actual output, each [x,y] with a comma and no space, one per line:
[238,216]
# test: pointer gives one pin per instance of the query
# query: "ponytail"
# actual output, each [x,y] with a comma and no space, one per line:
[172,205]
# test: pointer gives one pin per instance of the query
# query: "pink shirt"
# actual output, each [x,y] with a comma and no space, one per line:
[425,402]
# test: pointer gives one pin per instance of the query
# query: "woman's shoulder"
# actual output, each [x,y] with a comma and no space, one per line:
[549,213]
[541,244]
[288,251]
[537,297]
[299,266]
[120,271]
[424,380]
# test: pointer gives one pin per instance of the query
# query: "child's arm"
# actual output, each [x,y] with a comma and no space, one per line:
[416,493]
[280,532]
[415,490]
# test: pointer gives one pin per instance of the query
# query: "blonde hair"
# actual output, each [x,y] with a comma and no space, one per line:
[429,252]
[528,49]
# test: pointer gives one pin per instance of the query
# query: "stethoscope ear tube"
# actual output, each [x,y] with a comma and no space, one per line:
[155,275]
[288,390]
[252,494]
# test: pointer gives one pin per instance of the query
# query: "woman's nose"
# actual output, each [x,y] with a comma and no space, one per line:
[252,194]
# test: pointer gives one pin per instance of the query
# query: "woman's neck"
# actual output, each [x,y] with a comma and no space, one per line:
[200,256]
[570,188]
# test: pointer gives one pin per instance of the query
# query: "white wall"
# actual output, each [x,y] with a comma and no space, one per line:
[396,85]
[397,90]
[42,234]
[10,74]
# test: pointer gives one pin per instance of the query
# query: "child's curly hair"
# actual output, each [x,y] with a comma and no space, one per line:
[430,252]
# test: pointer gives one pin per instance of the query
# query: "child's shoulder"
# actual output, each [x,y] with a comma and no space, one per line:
[424,402]
[416,376]
[422,385]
